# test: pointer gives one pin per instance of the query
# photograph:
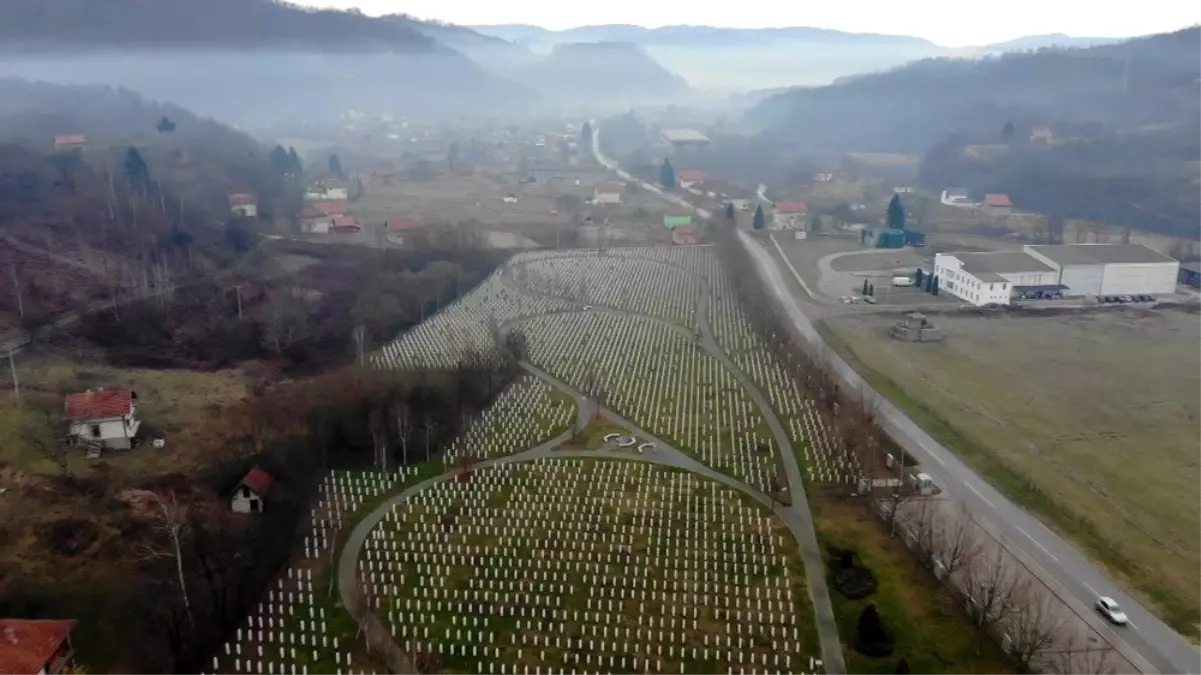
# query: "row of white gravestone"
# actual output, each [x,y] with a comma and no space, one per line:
[658,378]
[287,630]
[630,284]
[519,418]
[765,608]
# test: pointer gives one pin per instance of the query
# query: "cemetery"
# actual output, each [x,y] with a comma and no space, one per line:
[547,563]
[575,565]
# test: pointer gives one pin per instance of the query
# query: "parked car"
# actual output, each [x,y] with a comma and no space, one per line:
[1110,610]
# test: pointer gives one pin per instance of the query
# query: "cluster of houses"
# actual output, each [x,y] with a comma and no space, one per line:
[998,203]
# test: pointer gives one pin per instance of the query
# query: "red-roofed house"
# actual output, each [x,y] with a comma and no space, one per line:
[397,228]
[998,203]
[35,646]
[684,235]
[314,220]
[689,177]
[244,205]
[1041,135]
[105,417]
[607,193]
[70,143]
[789,216]
[344,225]
[251,491]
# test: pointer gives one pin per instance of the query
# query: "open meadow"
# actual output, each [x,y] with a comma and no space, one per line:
[1088,417]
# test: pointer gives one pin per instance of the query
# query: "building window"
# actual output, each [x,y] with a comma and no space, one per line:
[991,287]
[95,431]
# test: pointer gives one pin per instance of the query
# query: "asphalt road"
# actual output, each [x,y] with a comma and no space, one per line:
[1147,642]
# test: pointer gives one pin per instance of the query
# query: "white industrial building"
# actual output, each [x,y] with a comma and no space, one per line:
[1109,269]
[991,278]
[1068,269]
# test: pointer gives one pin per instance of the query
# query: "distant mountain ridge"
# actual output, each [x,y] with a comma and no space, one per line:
[251,61]
[622,71]
[746,59]
[1145,81]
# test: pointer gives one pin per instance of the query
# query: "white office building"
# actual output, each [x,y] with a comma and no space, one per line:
[991,278]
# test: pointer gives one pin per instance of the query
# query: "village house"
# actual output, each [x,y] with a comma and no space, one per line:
[956,196]
[251,492]
[789,216]
[327,189]
[689,177]
[1041,135]
[341,224]
[243,205]
[103,417]
[70,143]
[607,193]
[314,220]
[397,228]
[998,203]
[36,646]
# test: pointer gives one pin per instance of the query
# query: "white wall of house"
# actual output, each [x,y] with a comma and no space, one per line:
[787,221]
[112,432]
[246,500]
[245,210]
[1048,278]
[606,197]
[952,279]
[317,225]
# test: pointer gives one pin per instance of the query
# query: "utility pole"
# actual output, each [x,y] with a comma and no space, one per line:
[12,367]
[20,301]
[238,292]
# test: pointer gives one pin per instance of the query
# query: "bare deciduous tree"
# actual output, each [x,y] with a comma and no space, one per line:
[993,589]
[172,521]
[1033,628]
[1093,656]
[404,429]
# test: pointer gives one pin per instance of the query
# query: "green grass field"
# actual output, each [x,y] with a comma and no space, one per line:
[1090,419]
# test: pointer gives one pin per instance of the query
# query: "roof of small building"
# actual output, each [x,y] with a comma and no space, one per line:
[957,192]
[331,208]
[242,199]
[27,644]
[401,224]
[1100,254]
[343,221]
[684,136]
[1194,267]
[608,186]
[258,480]
[989,267]
[692,175]
[96,404]
[1041,131]
[997,200]
[70,138]
[797,206]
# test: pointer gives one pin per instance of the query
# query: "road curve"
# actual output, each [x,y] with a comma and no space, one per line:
[1148,643]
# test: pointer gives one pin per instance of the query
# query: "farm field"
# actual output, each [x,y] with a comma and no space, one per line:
[1090,418]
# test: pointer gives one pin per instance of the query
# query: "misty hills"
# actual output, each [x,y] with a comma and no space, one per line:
[741,59]
[1146,81]
[248,61]
[622,72]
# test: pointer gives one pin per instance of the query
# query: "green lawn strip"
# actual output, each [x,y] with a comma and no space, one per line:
[1176,611]
[930,628]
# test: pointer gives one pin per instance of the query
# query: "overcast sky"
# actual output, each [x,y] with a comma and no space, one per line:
[952,23]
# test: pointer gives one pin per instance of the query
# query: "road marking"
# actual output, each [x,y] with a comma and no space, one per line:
[969,486]
[1032,539]
[1090,589]
[936,457]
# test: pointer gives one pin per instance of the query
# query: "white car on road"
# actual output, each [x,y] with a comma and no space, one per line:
[1111,610]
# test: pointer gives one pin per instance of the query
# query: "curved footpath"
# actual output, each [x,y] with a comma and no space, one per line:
[797,516]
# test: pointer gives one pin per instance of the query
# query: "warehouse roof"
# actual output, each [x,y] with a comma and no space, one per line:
[1101,254]
[1000,262]
[684,136]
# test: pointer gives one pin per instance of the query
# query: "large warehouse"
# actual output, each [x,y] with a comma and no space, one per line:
[1070,269]
[1109,269]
